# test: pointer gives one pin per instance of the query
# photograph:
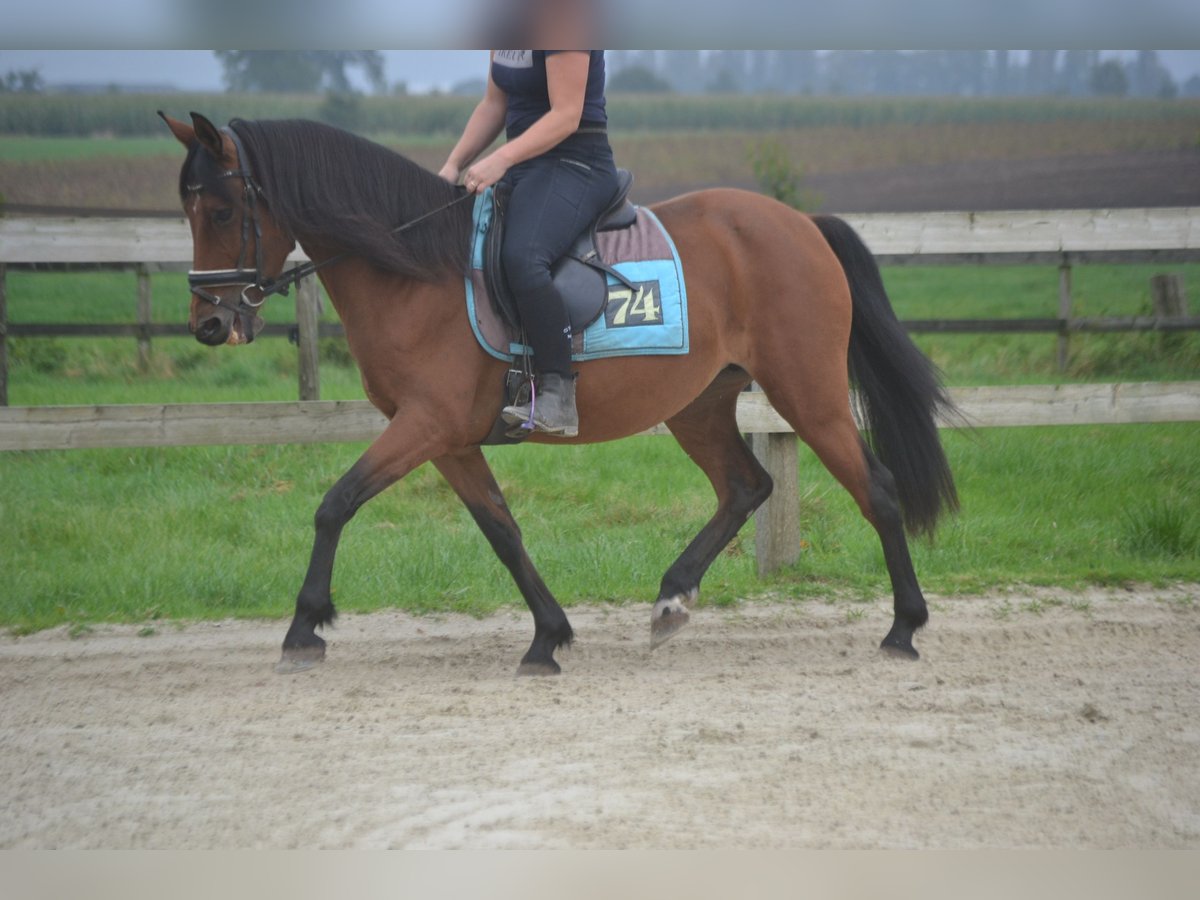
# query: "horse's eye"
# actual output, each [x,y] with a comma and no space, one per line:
[223,216]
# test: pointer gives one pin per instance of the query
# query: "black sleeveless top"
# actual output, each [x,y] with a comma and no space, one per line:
[521,74]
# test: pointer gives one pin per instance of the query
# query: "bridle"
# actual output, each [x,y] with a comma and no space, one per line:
[201,280]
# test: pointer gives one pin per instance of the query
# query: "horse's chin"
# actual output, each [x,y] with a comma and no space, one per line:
[245,329]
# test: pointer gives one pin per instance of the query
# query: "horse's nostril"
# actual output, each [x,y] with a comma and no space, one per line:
[209,330]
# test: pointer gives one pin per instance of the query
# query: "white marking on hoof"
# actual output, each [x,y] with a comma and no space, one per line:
[669,616]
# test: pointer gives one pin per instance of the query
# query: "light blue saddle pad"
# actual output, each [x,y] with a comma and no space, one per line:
[649,321]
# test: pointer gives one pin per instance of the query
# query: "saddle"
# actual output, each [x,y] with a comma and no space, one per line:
[580,275]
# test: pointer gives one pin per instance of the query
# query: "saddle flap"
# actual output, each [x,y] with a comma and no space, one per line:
[493,271]
[584,290]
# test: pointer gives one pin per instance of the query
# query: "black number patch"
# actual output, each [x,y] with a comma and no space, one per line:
[629,309]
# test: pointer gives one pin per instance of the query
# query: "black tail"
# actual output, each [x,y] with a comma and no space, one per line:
[900,392]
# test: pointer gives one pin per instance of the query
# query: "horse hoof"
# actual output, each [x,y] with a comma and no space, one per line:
[669,616]
[299,659]
[899,651]
[539,669]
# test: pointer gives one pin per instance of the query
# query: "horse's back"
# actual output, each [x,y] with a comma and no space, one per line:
[755,256]
[741,227]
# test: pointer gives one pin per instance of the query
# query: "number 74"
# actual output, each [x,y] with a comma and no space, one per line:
[640,305]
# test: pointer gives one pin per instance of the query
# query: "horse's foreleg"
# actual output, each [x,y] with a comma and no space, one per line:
[385,462]
[707,431]
[471,478]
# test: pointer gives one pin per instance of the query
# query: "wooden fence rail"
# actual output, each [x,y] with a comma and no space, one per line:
[1062,238]
[333,421]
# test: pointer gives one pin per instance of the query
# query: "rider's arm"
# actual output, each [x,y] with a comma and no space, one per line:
[566,82]
[484,126]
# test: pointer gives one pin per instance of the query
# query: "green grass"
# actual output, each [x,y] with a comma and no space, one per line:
[1161,527]
[57,149]
[30,149]
[53,371]
[148,534]
[1012,292]
[116,114]
[141,535]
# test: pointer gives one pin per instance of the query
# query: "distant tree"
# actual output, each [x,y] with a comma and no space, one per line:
[797,70]
[469,87]
[1077,65]
[341,109]
[637,79]
[684,69]
[779,177]
[22,81]
[725,82]
[1150,78]
[1109,79]
[298,71]
[1039,73]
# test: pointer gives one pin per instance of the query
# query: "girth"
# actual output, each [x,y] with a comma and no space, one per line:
[580,275]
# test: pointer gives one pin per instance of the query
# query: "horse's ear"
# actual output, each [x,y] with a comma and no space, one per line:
[183,132]
[213,141]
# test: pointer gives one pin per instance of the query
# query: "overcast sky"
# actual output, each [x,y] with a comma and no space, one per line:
[199,70]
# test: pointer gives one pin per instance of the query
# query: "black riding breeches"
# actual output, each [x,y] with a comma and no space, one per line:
[555,197]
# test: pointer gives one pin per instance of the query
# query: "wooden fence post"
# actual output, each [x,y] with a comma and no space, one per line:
[308,347]
[1170,301]
[1064,313]
[3,335]
[143,318]
[1170,298]
[777,522]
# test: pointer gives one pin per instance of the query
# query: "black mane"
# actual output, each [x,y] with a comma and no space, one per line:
[334,187]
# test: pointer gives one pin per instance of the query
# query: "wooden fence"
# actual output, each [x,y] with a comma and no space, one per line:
[1060,238]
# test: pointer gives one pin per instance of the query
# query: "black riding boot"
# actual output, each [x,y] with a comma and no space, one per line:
[551,409]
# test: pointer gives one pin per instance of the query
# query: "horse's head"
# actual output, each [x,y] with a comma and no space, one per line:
[237,248]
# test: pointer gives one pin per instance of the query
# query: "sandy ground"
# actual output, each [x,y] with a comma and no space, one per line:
[1032,720]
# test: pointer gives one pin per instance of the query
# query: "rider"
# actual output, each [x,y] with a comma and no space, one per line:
[559,163]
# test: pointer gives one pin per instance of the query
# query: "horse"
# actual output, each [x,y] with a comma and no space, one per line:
[794,302]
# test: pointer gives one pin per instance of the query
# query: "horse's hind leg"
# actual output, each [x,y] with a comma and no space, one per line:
[824,422]
[468,473]
[707,431]
[911,612]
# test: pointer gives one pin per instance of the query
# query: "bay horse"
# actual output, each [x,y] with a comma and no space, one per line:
[792,301]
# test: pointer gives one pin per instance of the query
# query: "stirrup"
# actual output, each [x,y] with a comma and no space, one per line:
[558,401]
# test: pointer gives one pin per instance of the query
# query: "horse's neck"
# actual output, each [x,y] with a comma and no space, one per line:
[374,305]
